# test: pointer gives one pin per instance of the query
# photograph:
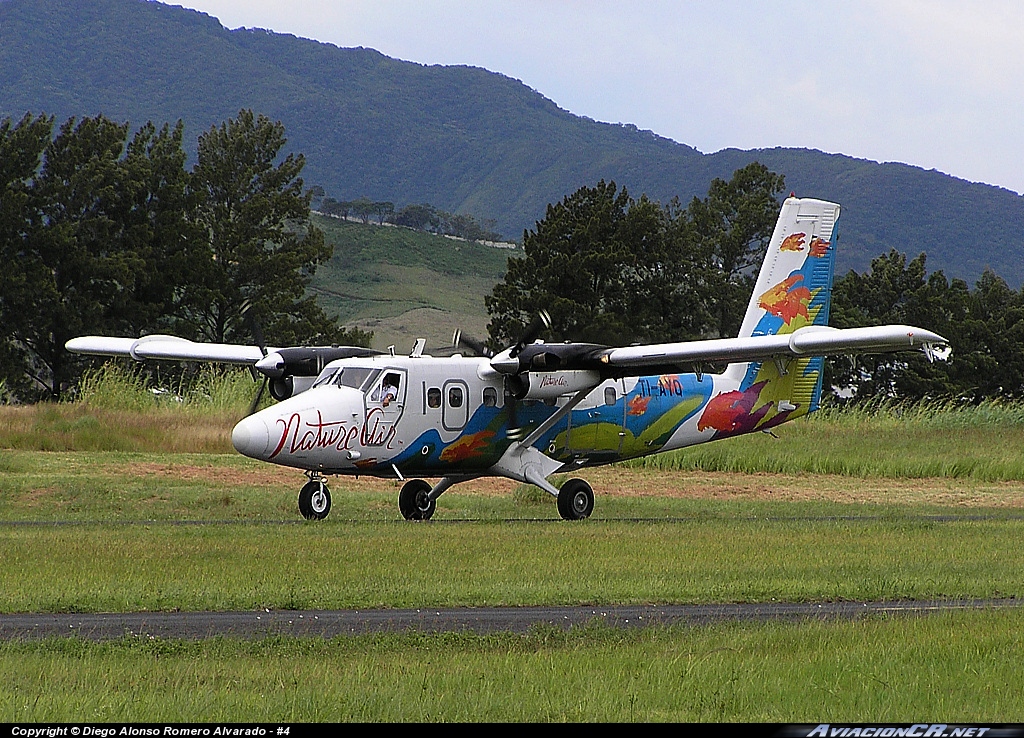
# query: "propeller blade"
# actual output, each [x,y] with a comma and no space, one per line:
[540,321]
[478,347]
[259,396]
[254,328]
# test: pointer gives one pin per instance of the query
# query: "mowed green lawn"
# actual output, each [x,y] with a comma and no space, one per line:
[122,530]
[959,667]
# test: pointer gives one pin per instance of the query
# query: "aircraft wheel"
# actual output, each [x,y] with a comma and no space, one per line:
[575,500]
[414,500]
[314,500]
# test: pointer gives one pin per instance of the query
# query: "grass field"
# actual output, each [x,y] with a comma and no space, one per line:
[884,504]
[962,667]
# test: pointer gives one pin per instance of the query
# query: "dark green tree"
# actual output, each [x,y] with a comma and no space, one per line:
[158,223]
[363,208]
[989,350]
[899,292]
[260,248]
[732,227]
[589,263]
[103,245]
[419,217]
[383,211]
[21,154]
[612,269]
[985,328]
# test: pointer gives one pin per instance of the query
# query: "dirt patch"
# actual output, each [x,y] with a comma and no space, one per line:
[48,497]
[260,476]
[810,487]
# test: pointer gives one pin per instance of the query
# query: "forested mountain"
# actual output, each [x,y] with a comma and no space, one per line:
[461,138]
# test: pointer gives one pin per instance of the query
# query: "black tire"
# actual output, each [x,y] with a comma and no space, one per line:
[414,500]
[315,500]
[575,500]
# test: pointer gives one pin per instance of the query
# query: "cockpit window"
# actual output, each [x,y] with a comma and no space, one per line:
[356,377]
[325,377]
[387,391]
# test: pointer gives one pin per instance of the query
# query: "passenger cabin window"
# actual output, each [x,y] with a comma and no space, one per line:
[490,397]
[434,397]
[455,413]
[455,396]
[609,395]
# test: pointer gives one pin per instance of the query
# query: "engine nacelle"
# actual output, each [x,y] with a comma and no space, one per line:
[288,386]
[549,385]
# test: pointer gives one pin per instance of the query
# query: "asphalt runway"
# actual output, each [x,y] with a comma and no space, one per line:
[330,623]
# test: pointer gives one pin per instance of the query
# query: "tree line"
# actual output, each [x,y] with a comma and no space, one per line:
[422,217]
[107,232]
[616,270]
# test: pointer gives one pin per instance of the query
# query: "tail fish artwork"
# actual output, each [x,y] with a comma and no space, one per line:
[537,409]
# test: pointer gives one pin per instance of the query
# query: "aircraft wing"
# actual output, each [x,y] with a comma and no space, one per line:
[165,347]
[808,341]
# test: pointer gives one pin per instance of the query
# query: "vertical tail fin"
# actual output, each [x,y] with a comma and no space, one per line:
[794,285]
[793,290]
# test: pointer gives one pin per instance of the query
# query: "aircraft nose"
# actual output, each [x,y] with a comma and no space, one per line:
[251,437]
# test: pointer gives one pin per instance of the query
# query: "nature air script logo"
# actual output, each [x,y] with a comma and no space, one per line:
[555,380]
[300,435]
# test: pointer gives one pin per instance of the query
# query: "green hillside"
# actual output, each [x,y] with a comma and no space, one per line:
[404,284]
[464,139]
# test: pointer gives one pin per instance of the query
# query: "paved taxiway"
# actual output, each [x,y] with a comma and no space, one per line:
[328,623]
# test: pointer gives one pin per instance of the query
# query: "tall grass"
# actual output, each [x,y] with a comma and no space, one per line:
[212,390]
[928,439]
[121,408]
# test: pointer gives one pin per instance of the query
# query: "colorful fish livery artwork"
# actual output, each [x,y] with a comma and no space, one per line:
[468,447]
[770,394]
[638,405]
[793,242]
[733,412]
[819,247]
[787,300]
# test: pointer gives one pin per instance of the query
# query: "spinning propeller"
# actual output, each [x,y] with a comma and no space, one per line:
[517,384]
[280,366]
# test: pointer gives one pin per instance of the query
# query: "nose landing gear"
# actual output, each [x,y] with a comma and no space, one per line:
[315,499]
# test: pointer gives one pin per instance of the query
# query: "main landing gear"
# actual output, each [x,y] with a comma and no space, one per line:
[575,499]
[414,500]
[314,499]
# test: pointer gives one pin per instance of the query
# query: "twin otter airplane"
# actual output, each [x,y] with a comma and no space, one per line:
[540,408]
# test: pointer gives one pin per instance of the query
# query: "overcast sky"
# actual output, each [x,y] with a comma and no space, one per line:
[934,83]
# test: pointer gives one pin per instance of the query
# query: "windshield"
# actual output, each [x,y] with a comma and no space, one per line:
[325,377]
[356,377]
